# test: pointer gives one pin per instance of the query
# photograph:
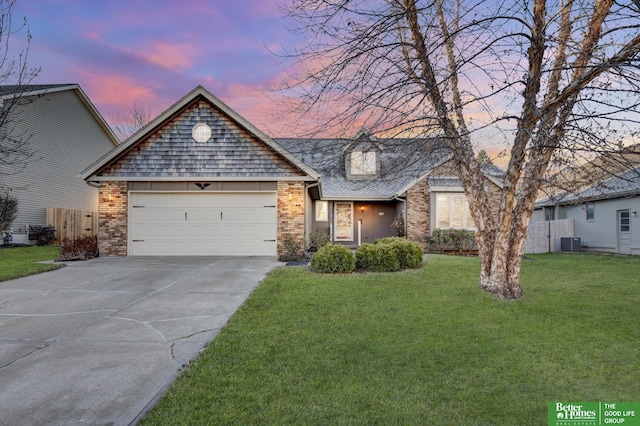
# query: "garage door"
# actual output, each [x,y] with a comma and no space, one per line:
[202,224]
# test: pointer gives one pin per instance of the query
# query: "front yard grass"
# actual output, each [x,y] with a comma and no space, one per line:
[419,347]
[21,261]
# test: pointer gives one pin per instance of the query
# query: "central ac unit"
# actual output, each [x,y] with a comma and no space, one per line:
[570,243]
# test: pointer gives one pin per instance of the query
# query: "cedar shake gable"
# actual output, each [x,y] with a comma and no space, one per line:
[165,149]
[172,152]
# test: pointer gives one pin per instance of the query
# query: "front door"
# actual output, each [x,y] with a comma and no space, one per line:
[343,221]
[624,232]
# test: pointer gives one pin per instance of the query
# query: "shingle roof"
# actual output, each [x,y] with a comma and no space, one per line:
[402,162]
[26,88]
[624,185]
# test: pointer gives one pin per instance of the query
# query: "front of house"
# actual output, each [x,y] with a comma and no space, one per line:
[200,180]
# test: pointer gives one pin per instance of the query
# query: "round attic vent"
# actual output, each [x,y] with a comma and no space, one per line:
[201,133]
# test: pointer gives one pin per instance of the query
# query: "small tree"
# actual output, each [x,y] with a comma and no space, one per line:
[129,122]
[15,152]
[8,211]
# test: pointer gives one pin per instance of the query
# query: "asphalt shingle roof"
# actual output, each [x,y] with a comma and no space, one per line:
[26,88]
[402,162]
[625,184]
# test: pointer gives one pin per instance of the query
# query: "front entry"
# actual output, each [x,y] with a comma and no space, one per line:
[374,221]
[624,232]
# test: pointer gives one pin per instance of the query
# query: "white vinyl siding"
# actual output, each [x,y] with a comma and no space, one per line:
[202,224]
[65,139]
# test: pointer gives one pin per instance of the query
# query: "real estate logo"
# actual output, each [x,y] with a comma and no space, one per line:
[593,413]
[574,413]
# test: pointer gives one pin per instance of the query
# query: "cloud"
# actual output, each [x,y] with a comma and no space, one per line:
[173,56]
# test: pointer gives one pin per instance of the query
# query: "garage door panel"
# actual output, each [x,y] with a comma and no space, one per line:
[203,224]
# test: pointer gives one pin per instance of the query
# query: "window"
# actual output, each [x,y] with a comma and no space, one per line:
[201,133]
[363,163]
[452,211]
[549,213]
[624,220]
[322,211]
[591,213]
[344,221]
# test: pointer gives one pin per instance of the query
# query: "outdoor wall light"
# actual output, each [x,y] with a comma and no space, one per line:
[634,214]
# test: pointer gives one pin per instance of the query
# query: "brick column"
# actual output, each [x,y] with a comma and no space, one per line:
[418,213]
[290,213]
[112,219]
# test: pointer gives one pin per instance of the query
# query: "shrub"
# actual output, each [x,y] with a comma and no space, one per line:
[42,235]
[398,225]
[460,240]
[291,250]
[333,259]
[377,258]
[8,211]
[409,254]
[82,248]
[318,240]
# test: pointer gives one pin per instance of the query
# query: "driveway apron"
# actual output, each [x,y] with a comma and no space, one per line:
[97,342]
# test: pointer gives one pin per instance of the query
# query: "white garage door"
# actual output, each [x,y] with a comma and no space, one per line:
[202,224]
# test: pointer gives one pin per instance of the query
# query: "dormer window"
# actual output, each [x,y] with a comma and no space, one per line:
[364,163]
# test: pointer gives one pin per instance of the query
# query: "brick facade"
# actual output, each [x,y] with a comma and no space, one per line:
[418,213]
[112,219]
[290,213]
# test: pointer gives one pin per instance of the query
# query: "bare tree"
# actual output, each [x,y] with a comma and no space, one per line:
[129,122]
[15,75]
[552,83]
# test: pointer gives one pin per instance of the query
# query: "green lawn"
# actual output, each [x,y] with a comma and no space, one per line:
[21,261]
[419,347]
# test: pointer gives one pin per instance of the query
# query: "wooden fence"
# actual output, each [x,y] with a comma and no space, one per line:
[544,237]
[72,224]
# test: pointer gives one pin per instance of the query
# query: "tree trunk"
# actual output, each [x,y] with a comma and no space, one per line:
[500,271]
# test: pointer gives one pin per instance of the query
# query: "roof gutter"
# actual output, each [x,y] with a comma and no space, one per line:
[313,185]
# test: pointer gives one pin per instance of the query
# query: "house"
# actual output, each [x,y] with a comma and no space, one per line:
[65,132]
[201,180]
[605,214]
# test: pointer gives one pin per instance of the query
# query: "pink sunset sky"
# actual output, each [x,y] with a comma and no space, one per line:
[153,52]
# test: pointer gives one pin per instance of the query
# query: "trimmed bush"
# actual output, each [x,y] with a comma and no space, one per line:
[460,240]
[333,259]
[377,258]
[409,254]
[318,240]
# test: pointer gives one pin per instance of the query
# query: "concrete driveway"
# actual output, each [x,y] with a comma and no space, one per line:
[97,342]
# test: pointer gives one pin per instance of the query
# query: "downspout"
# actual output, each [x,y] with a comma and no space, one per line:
[307,231]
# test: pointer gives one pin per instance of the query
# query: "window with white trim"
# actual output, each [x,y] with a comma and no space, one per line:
[363,163]
[452,211]
[201,133]
[591,211]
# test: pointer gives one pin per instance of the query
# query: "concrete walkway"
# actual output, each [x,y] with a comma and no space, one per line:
[97,342]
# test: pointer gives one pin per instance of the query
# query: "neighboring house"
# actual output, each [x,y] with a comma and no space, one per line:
[202,180]
[605,215]
[65,133]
